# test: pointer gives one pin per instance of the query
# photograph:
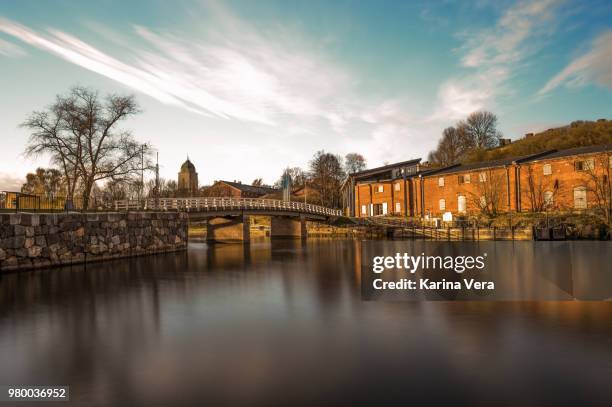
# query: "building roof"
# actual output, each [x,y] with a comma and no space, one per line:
[384,168]
[486,164]
[188,166]
[520,159]
[577,151]
[263,190]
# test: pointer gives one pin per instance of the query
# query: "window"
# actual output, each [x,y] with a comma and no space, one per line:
[442,204]
[380,188]
[364,210]
[482,177]
[441,181]
[547,169]
[398,207]
[584,165]
[610,161]
[397,186]
[548,198]
[461,204]
[464,179]
[483,202]
[580,198]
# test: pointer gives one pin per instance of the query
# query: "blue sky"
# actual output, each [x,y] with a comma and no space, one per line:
[246,88]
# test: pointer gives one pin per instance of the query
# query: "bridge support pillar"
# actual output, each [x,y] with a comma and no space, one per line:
[228,229]
[288,227]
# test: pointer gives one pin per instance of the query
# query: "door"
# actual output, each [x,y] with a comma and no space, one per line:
[461,204]
[384,208]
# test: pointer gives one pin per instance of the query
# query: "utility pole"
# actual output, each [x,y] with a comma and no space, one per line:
[142,172]
[157,180]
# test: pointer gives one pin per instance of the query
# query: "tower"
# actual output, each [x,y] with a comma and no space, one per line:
[188,179]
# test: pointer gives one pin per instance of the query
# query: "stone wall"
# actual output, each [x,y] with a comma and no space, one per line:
[42,240]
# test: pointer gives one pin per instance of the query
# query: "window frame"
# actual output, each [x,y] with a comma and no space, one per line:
[549,198]
[583,190]
[587,164]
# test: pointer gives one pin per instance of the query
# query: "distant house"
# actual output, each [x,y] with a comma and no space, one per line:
[237,189]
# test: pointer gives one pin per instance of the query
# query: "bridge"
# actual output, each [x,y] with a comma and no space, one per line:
[228,218]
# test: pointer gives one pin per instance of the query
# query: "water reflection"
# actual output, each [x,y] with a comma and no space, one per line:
[283,322]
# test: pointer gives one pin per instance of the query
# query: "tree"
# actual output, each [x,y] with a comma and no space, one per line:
[541,192]
[257,182]
[44,181]
[489,194]
[479,131]
[298,177]
[600,184]
[451,147]
[79,131]
[354,162]
[326,175]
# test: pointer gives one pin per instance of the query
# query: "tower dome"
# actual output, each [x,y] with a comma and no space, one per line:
[187,166]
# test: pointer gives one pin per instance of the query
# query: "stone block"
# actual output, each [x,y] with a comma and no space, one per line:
[34,251]
[28,242]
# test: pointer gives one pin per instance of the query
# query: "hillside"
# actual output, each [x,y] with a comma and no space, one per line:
[577,134]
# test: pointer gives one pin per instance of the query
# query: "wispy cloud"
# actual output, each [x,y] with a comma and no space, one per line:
[273,77]
[237,74]
[594,66]
[9,49]
[491,57]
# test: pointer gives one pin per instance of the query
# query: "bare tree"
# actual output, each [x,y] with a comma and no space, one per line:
[599,184]
[298,177]
[257,182]
[80,133]
[326,175]
[541,192]
[354,162]
[451,147]
[479,131]
[488,197]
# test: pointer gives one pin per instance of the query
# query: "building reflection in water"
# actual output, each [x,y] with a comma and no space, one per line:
[273,320]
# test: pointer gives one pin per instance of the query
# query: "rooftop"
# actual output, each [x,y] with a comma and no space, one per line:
[519,159]
[250,188]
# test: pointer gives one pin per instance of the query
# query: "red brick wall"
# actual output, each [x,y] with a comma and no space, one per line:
[495,180]
[561,182]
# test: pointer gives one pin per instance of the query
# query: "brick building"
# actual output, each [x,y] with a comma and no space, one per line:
[573,179]
[238,190]
[385,190]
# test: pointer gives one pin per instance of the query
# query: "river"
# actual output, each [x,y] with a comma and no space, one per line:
[284,323]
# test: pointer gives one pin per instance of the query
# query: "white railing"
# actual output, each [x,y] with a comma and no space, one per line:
[223,204]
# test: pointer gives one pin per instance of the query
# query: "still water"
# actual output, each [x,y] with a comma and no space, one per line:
[284,323]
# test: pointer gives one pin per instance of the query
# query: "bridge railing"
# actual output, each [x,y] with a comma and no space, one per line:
[222,204]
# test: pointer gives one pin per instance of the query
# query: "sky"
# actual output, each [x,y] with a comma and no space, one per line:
[247,88]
